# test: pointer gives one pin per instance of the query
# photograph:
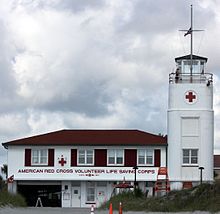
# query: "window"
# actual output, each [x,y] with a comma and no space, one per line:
[187,65]
[85,157]
[190,156]
[90,192]
[145,157]
[101,184]
[39,156]
[115,157]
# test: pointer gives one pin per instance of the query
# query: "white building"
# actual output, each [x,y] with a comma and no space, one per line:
[77,168]
[190,123]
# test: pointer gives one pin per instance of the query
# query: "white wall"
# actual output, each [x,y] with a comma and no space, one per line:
[199,133]
[16,167]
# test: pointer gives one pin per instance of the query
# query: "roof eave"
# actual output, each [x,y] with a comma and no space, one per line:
[112,144]
[188,57]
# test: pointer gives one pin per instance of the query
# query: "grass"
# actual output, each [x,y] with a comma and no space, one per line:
[205,197]
[8,199]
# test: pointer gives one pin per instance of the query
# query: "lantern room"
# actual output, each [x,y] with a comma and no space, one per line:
[191,69]
[184,64]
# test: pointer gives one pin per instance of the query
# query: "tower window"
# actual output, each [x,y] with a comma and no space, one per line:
[190,156]
[187,65]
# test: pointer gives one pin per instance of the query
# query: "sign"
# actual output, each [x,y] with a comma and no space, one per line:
[191,97]
[85,173]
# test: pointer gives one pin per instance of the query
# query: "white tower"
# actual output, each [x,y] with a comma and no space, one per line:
[190,122]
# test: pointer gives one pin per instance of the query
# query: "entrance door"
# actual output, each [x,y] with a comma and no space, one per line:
[101,187]
[76,195]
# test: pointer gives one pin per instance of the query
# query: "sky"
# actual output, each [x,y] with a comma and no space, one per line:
[97,64]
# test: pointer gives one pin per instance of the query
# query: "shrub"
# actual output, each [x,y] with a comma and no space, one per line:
[205,197]
[8,199]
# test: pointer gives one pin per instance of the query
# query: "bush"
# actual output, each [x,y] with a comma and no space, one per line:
[138,193]
[205,197]
[8,199]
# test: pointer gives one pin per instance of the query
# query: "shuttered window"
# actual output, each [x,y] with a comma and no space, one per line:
[145,157]
[85,157]
[39,157]
[115,157]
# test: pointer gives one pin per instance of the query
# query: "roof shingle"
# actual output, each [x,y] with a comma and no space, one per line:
[92,137]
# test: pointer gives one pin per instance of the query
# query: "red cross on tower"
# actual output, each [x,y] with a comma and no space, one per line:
[62,161]
[190,96]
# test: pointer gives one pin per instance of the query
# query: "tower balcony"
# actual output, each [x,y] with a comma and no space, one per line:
[183,78]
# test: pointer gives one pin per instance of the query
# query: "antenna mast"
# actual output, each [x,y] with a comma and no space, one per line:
[191,45]
[190,31]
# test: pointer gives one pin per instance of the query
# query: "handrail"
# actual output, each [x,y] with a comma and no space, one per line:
[194,78]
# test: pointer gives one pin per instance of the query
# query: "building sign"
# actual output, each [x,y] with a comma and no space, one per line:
[84,173]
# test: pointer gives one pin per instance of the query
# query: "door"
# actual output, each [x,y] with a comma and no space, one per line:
[101,192]
[76,196]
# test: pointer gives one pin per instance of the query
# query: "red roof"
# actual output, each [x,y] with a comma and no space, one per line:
[216,161]
[92,137]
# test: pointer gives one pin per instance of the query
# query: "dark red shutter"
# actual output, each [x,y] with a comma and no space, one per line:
[130,157]
[73,157]
[27,157]
[100,157]
[157,157]
[50,157]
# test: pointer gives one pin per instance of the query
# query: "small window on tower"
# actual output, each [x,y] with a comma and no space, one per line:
[190,156]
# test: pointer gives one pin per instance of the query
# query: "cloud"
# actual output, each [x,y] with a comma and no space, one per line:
[94,64]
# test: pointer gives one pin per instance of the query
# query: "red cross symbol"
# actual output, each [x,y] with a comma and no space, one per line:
[190,96]
[62,161]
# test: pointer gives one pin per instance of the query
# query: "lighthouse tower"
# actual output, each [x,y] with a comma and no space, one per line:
[190,121]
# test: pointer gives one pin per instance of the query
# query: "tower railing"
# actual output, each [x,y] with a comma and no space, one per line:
[176,78]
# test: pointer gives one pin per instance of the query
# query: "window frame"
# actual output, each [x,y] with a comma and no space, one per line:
[85,156]
[190,157]
[39,157]
[115,157]
[90,185]
[145,150]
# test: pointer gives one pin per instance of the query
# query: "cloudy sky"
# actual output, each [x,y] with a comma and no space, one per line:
[97,63]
